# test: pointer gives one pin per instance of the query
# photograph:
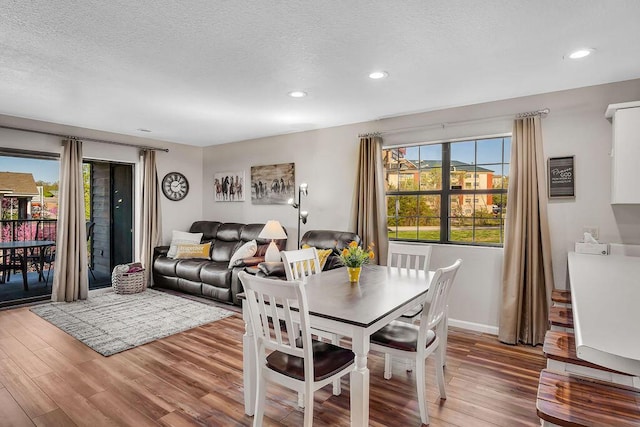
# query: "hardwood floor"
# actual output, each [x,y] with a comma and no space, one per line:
[48,378]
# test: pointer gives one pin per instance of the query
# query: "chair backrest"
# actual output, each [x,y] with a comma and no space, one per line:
[406,256]
[439,291]
[301,263]
[270,302]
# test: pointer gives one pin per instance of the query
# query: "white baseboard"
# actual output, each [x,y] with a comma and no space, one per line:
[477,327]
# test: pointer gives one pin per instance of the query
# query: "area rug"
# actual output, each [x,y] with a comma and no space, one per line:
[110,323]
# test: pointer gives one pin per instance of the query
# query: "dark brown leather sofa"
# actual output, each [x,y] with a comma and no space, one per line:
[212,278]
[320,239]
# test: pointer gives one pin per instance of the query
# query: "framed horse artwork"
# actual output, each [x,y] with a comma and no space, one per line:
[272,184]
[228,186]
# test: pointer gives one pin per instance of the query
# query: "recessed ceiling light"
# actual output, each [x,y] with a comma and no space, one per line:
[580,53]
[378,75]
[143,130]
[297,94]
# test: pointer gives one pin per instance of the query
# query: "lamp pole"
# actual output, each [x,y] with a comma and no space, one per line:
[302,215]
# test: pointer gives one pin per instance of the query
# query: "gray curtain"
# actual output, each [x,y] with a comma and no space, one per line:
[370,213]
[527,277]
[70,278]
[150,219]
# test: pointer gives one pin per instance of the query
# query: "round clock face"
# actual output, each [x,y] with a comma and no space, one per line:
[175,186]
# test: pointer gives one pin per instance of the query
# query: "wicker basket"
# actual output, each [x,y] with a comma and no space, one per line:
[127,283]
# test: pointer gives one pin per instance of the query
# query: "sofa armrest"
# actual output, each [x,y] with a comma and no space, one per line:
[272,269]
[160,251]
[249,262]
[332,262]
[236,285]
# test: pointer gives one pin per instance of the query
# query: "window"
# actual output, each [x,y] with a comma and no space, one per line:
[466,205]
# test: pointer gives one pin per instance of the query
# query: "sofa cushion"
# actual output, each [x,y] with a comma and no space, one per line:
[323,255]
[216,274]
[251,232]
[222,251]
[245,251]
[209,229]
[181,238]
[193,251]
[229,232]
[221,294]
[165,266]
[190,269]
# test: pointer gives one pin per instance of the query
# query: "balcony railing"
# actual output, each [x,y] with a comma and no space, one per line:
[28,229]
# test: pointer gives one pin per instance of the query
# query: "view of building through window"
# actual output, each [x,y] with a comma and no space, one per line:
[29,197]
[466,205]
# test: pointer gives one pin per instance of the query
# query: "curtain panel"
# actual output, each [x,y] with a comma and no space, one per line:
[527,278]
[70,278]
[151,218]
[370,213]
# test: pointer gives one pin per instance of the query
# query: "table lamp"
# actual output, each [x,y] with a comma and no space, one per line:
[272,230]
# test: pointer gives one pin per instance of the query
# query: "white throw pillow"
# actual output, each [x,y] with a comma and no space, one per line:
[247,250]
[182,238]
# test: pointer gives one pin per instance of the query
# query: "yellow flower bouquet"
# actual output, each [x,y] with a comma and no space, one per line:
[354,255]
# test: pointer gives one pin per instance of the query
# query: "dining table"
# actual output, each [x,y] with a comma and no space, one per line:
[354,310]
[10,250]
[605,291]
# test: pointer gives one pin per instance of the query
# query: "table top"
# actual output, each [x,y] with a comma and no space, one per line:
[380,291]
[605,291]
[21,244]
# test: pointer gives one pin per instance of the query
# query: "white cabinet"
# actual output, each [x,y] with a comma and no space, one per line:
[625,152]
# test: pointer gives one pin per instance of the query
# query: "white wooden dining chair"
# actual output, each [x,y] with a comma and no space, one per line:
[301,263]
[417,342]
[298,265]
[289,356]
[407,257]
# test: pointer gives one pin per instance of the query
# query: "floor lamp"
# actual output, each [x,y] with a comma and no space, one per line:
[302,215]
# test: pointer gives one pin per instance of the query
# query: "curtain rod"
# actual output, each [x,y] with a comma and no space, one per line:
[541,112]
[124,144]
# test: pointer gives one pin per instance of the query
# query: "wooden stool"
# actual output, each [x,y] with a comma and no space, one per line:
[560,318]
[570,401]
[561,297]
[560,350]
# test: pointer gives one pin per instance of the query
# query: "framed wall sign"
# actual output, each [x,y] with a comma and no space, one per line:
[561,177]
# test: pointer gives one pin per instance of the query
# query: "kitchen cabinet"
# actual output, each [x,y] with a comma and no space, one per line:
[625,152]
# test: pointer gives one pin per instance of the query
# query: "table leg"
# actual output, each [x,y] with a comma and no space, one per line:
[360,380]
[249,368]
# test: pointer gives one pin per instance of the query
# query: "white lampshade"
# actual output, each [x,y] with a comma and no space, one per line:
[272,230]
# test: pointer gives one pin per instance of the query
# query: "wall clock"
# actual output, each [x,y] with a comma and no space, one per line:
[175,186]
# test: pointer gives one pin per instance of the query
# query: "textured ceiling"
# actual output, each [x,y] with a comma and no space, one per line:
[206,72]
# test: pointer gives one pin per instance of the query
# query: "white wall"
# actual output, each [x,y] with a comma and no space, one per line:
[326,160]
[182,158]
